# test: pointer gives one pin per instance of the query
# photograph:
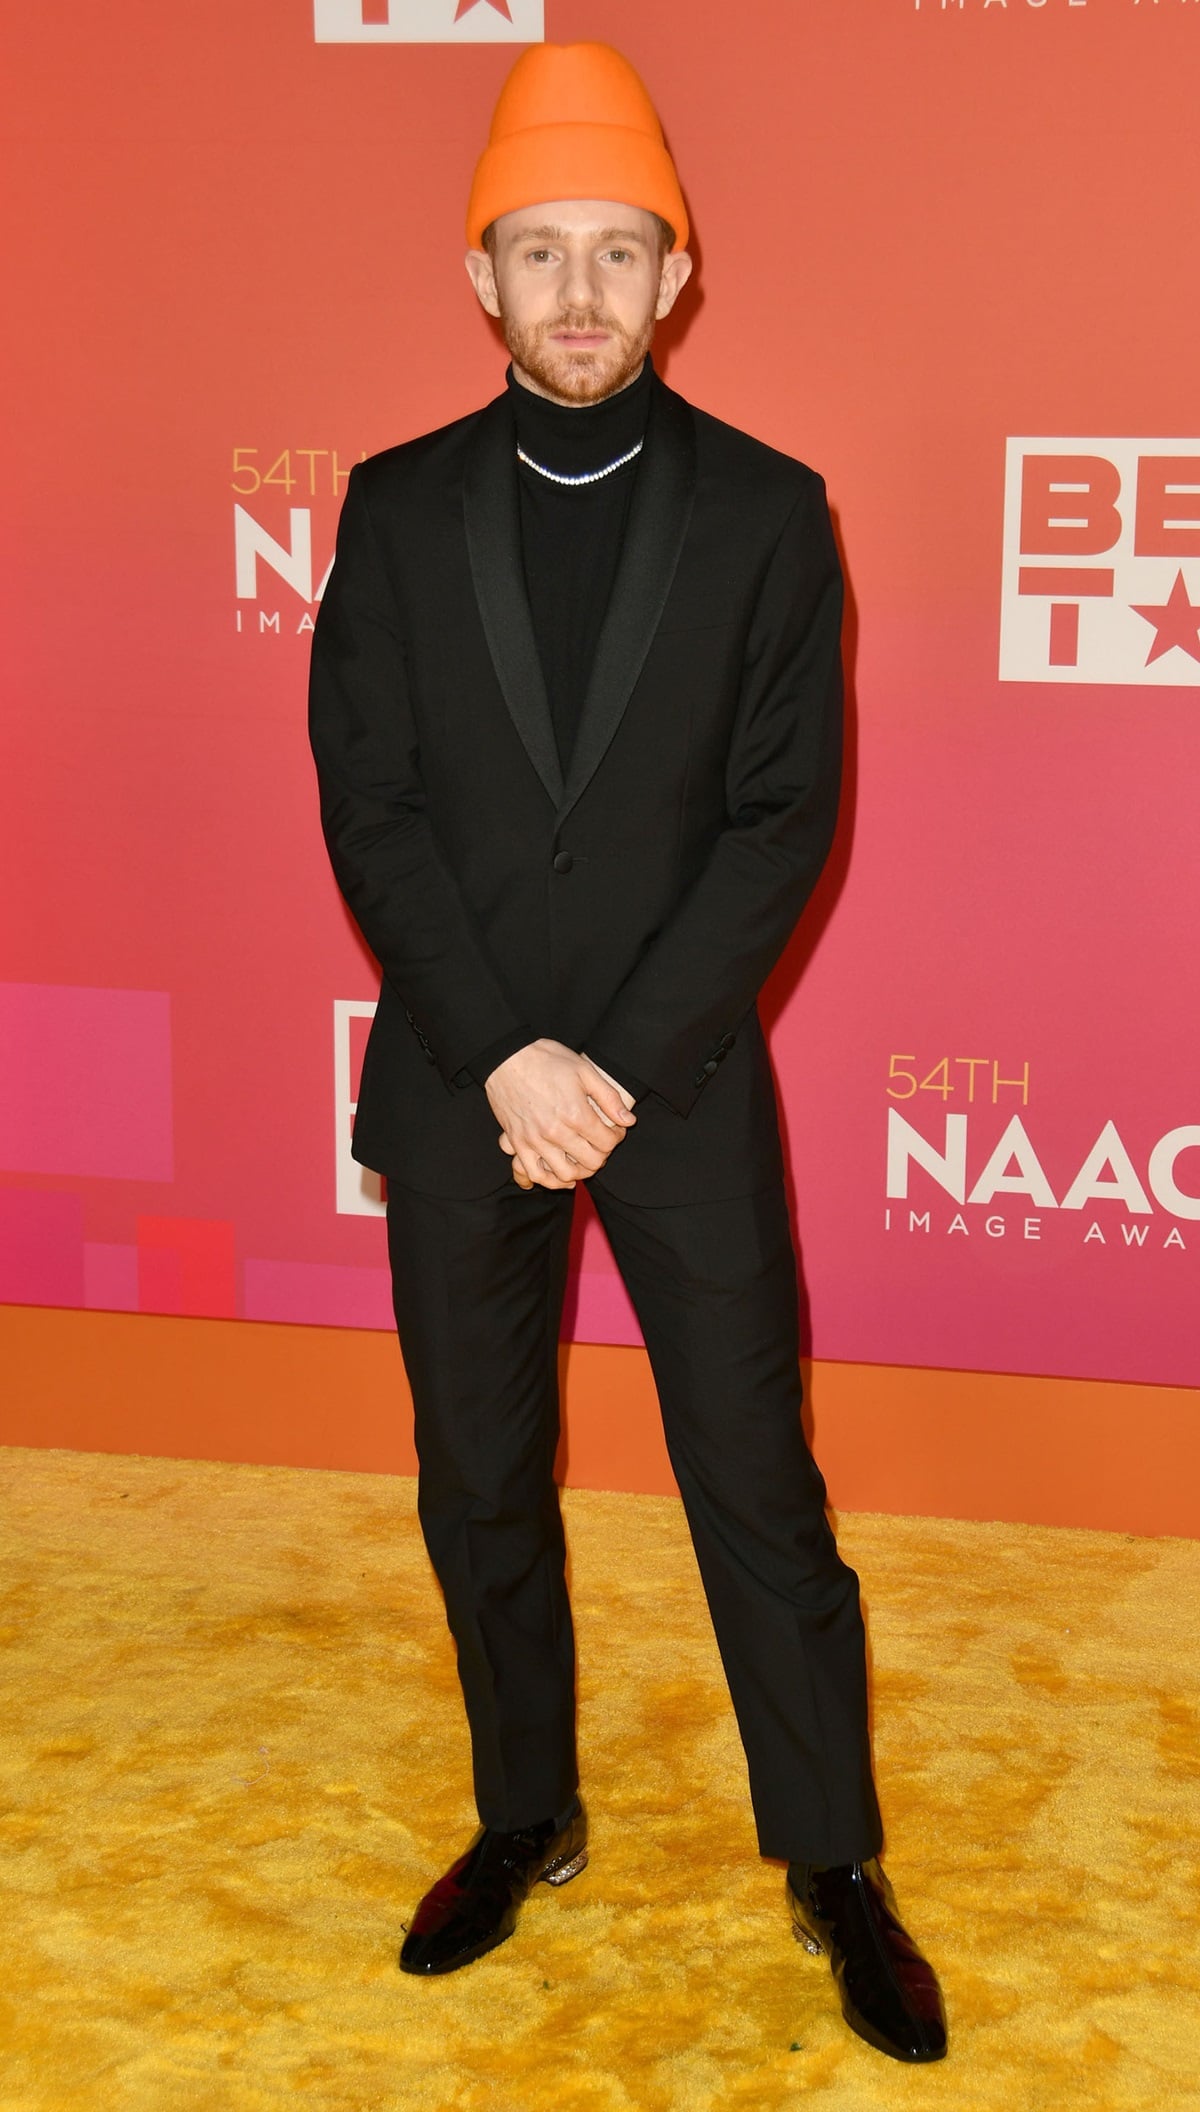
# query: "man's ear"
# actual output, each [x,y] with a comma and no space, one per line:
[481,272]
[676,271]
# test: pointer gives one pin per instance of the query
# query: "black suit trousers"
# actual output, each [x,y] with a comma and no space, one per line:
[478,1287]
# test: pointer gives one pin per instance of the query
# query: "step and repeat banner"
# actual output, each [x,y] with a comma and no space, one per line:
[946,253]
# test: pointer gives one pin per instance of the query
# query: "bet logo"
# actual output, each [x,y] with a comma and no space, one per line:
[429,21]
[1101,578]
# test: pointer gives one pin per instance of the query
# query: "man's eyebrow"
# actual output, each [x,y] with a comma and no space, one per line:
[562,234]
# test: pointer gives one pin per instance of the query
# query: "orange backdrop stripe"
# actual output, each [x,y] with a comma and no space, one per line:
[941,1443]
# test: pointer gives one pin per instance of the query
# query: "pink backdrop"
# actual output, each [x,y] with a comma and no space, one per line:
[946,253]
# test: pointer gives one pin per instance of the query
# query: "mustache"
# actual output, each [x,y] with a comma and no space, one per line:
[594,319]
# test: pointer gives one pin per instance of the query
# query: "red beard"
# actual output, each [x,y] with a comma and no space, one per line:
[578,377]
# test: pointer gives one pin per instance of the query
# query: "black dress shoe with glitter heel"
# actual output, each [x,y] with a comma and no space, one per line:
[475,1905]
[890,1994]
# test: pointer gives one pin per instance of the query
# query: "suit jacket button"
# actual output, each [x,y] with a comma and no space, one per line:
[710,1068]
[563,861]
[727,1041]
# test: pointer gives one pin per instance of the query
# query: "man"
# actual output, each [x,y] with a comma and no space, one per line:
[576,711]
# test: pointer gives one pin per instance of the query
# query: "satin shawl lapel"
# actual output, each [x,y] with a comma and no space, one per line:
[491,515]
[658,518]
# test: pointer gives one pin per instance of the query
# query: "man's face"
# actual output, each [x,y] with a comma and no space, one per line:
[578,286]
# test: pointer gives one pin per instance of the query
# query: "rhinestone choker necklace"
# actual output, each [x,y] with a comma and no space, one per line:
[589,476]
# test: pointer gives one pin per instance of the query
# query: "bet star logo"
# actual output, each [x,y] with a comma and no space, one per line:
[429,21]
[1101,538]
[1176,623]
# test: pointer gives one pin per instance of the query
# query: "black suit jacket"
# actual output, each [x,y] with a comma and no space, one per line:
[637,906]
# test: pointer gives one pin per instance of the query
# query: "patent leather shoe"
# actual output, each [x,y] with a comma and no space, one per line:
[890,1994]
[475,1905]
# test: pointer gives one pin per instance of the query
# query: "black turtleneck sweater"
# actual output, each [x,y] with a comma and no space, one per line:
[571,534]
[571,537]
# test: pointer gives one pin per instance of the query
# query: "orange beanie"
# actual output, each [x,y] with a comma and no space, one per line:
[574,121]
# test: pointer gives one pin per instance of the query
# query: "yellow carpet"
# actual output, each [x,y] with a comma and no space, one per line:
[231,1758]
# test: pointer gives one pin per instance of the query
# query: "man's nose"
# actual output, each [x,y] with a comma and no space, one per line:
[580,288]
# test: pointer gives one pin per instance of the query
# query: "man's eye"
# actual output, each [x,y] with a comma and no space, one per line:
[538,256]
[619,256]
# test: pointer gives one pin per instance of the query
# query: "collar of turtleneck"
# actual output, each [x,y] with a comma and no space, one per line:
[576,439]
